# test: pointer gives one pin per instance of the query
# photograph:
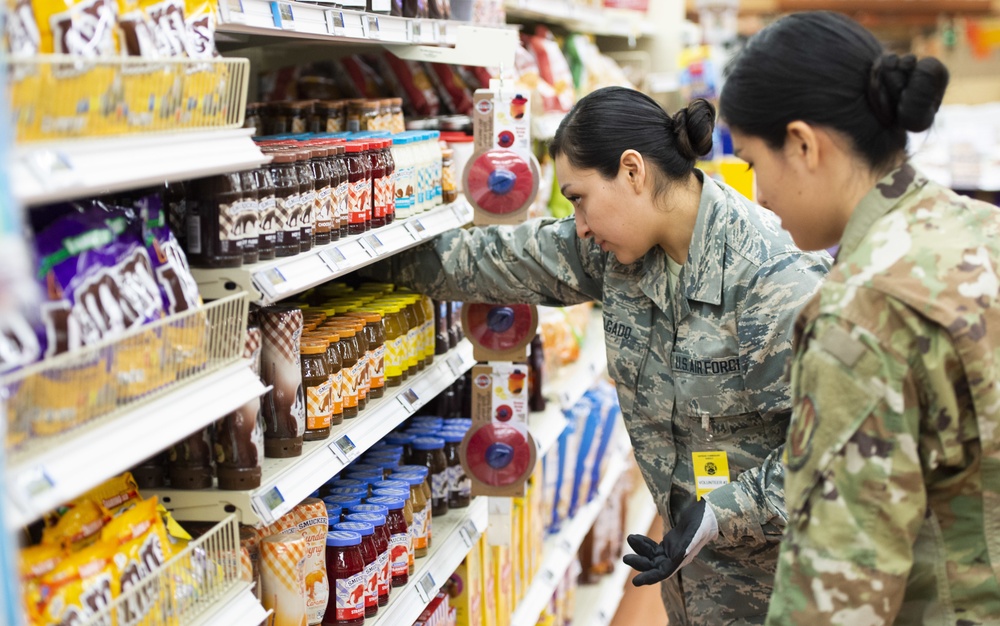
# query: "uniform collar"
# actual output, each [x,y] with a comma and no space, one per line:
[701,275]
[885,196]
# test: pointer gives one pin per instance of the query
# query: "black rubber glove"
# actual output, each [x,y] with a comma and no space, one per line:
[659,561]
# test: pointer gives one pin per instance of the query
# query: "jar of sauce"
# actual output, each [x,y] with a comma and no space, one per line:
[429,452]
[345,567]
[459,485]
[334,366]
[374,334]
[390,181]
[381,540]
[357,371]
[421,510]
[395,345]
[288,235]
[403,473]
[249,216]
[359,188]
[323,200]
[379,187]
[316,385]
[369,554]
[306,199]
[213,231]
[266,217]
[399,539]
[349,358]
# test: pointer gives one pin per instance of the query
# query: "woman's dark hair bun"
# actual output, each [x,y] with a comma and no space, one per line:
[693,128]
[907,92]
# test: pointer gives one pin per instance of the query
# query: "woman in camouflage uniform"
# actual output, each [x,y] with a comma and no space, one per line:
[699,288]
[893,456]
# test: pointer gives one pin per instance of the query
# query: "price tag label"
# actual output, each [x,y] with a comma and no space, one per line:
[272,282]
[233,12]
[548,576]
[53,169]
[335,23]
[282,14]
[408,399]
[468,533]
[344,449]
[565,545]
[426,588]
[415,31]
[457,364]
[370,27]
[376,244]
[268,502]
[330,258]
[462,211]
[34,483]
[367,247]
[442,32]
[416,229]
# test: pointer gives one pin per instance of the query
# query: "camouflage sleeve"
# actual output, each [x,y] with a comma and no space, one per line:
[541,261]
[854,483]
[754,504]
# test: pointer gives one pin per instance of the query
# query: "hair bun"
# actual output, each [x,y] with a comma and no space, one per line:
[905,92]
[693,127]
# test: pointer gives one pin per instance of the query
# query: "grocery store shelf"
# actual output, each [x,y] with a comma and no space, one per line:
[546,426]
[238,608]
[286,482]
[270,281]
[39,482]
[63,170]
[417,39]
[454,536]
[569,384]
[596,604]
[561,549]
[570,14]
[544,126]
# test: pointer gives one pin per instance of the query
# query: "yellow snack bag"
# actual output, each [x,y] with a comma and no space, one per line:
[143,547]
[80,587]
[205,86]
[78,526]
[116,494]
[36,562]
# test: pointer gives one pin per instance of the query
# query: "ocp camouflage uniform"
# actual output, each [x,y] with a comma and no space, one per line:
[893,456]
[701,372]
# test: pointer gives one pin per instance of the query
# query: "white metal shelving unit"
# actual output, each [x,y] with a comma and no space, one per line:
[77,168]
[574,16]
[270,281]
[596,604]
[561,548]
[287,482]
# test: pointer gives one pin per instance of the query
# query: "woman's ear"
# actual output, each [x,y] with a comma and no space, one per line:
[803,144]
[632,168]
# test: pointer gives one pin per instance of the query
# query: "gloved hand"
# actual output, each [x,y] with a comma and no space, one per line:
[659,561]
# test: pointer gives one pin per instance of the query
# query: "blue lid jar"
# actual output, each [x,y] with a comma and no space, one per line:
[361,491]
[362,474]
[385,446]
[403,493]
[375,519]
[343,539]
[428,443]
[410,478]
[391,503]
[399,439]
[412,469]
[362,528]
[390,484]
[344,502]
[377,509]
[343,482]
[451,436]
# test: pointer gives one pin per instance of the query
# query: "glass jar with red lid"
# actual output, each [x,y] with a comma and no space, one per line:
[390,170]
[381,539]
[377,163]
[323,200]
[370,555]
[286,192]
[399,539]
[343,190]
[345,567]
[306,199]
[359,188]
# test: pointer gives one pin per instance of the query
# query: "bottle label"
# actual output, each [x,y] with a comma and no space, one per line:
[267,219]
[337,393]
[420,529]
[318,406]
[342,196]
[371,584]
[377,367]
[399,554]
[384,573]
[323,207]
[351,598]
[359,201]
[413,352]
[394,357]
[359,371]
[350,393]
[439,484]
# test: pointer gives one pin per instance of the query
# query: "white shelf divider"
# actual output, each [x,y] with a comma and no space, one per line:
[572,381]
[455,534]
[561,548]
[286,482]
[77,168]
[574,16]
[410,38]
[597,604]
[40,482]
[270,281]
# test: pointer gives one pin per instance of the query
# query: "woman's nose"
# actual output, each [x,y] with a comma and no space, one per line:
[582,230]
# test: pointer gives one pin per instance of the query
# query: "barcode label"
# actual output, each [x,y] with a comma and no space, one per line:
[35,482]
[344,449]
[426,588]
[457,364]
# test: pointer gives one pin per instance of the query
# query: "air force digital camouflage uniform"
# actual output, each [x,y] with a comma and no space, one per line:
[893,455]
[697,372]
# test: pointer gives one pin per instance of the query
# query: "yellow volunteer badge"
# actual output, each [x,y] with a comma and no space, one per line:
[711,471]
[800,434]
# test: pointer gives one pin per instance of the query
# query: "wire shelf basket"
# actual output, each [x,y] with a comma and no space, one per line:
[62,96]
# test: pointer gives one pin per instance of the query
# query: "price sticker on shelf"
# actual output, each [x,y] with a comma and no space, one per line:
[414,31]
[332,258]
[335,23]
[54,170]
[408,399]
[468,533]
[272,282]
[370,27]
[267,503]
[34,483]
[376,244]
[426,588]
[416,229]
[442,32]
[281,13]
[344,449]
[232,11]
[462,211]
[548,576]
[566,545]
[456,364]
[367,247]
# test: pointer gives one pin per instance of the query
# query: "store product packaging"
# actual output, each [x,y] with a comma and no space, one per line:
[503,588]
[283,407]
[309,520]
[467,585]
[83,581]
[239,436]
[410,79]
[488,583]
[282,579]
